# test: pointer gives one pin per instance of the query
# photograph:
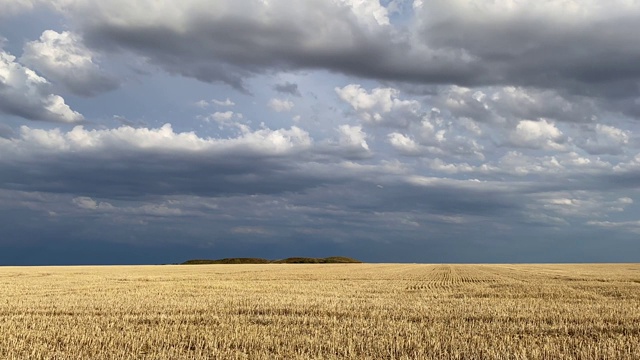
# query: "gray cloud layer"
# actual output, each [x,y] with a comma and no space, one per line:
[446,42]
[453,127]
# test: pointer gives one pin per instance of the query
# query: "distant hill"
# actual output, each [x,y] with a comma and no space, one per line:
[291,260]
[328,260]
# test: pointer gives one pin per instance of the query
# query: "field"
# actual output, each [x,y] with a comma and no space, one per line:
[335,311]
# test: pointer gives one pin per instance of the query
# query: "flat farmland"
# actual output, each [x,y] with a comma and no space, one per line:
[326,311]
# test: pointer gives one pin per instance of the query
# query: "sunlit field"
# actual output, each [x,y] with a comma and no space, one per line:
[354,311]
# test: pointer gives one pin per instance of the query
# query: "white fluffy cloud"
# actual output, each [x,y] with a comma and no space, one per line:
[380,106]
[538,134]
[63,58]
[353,136]
[369,12]
[226,102]
[214,102]
[161,139]
[26,94]
[222,116]
[280,105]
[404,144]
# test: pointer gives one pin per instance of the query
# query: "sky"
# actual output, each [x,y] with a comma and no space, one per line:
[145,132]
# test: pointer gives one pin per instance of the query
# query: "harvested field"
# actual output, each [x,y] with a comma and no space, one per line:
[335,311]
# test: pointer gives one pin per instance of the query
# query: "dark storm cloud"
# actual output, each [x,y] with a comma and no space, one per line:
[447,42]
[535,43]
[231,48]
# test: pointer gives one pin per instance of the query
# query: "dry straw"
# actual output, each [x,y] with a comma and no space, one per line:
[354,311]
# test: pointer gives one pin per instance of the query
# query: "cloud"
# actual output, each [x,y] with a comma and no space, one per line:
[381,106]
[226,102]
[444,126]
[404,144]
[6,132]
[12,7]
[538,134]
[446,42]
[106,208]
[250,230]
[436,135]
[25,94]
[85,202]
[277,32]
[63,58]
[264,141]
[354,139]
[280,105]
[509,104]
[606,139]
[581,204]
[632,226]
[214,102]
[222,116]
[287,88]
[130,161]
[201,104]
[533,43]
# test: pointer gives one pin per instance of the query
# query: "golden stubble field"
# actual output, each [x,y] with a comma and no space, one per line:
[350,311]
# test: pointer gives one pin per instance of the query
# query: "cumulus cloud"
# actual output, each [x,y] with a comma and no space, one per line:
[538,135]
[354,139]
[226,102]
[380,105]
[214,102]
[404,144]
[25,94]
[63,58]
[606,139]
[222,116]
[435,135]
[509,104]
[280,105]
